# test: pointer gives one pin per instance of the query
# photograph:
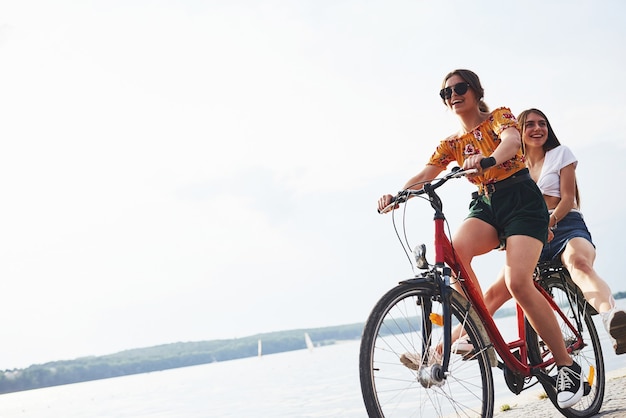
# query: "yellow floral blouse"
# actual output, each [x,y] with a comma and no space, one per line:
[481,140]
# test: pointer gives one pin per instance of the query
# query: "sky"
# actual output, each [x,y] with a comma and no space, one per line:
[198,170]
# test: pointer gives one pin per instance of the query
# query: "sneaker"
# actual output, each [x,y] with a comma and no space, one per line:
[569,385]
[414,360]
[615,324]
[462,347]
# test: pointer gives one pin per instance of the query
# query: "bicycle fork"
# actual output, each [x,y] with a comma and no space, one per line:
[435,375]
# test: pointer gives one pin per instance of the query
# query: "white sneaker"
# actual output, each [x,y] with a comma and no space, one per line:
[569,385]
[414,360]
[462,346]
[615,324]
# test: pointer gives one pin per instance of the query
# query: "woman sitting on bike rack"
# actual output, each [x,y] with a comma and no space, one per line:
[553,166]
[508,204]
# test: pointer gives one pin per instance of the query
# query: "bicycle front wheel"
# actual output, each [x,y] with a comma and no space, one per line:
[578,311]
[403,325]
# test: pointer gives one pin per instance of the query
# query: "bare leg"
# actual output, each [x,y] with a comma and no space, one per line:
[467,246]
[497,294]
[474,237]
[522,253]
[578,258]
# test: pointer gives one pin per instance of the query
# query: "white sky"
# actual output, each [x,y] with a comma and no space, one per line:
[195,170]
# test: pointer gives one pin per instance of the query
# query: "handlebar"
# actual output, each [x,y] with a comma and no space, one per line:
[427,187]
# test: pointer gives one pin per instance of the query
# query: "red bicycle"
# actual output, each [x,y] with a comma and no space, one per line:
[419,314]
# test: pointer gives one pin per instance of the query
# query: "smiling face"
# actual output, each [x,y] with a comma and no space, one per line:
[459,103]
[534,130]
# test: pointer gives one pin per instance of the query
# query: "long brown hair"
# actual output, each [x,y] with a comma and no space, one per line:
[472,79]
[552,141]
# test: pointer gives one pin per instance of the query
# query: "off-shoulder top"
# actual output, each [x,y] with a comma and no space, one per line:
[481,140]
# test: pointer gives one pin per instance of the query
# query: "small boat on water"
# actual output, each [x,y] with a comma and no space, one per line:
[260,348]
[308,341]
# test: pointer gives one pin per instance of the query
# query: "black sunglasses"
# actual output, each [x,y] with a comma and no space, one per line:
[459,88]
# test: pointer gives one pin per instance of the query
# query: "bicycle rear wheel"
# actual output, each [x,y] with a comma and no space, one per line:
[404,321]
[570,300]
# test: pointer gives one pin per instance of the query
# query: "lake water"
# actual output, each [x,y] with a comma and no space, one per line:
[323,382]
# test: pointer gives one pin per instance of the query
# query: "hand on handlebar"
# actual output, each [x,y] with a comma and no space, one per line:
[384,204]
[472,161]
[388,202]
[478,162]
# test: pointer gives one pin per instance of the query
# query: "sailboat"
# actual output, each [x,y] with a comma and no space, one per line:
[309,343]
[260,348]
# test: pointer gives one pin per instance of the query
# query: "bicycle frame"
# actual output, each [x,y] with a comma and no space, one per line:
[446,255]
[402,369]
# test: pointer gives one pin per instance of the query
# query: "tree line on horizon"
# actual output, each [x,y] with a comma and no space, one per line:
[167,356]
[180,354]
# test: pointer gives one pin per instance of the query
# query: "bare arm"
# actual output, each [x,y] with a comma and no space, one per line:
[568,194]
[428,173]
[511,142]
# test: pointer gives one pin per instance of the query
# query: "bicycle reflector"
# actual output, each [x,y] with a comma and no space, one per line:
[436,319]
[591,375]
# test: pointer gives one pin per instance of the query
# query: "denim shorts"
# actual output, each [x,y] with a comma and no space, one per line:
[572,226]
[516,210]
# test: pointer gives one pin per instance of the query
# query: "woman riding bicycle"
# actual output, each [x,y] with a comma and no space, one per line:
[553,166]
[508,206]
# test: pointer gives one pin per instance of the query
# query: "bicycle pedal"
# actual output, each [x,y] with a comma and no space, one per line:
[586,388]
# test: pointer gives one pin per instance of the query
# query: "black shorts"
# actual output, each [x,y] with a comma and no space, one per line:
[516,210]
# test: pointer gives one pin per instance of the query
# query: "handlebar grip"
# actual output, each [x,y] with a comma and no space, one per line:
[399,198]
[487,162]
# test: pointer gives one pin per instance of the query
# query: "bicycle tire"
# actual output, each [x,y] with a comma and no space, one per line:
[590,357]
[391,389]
